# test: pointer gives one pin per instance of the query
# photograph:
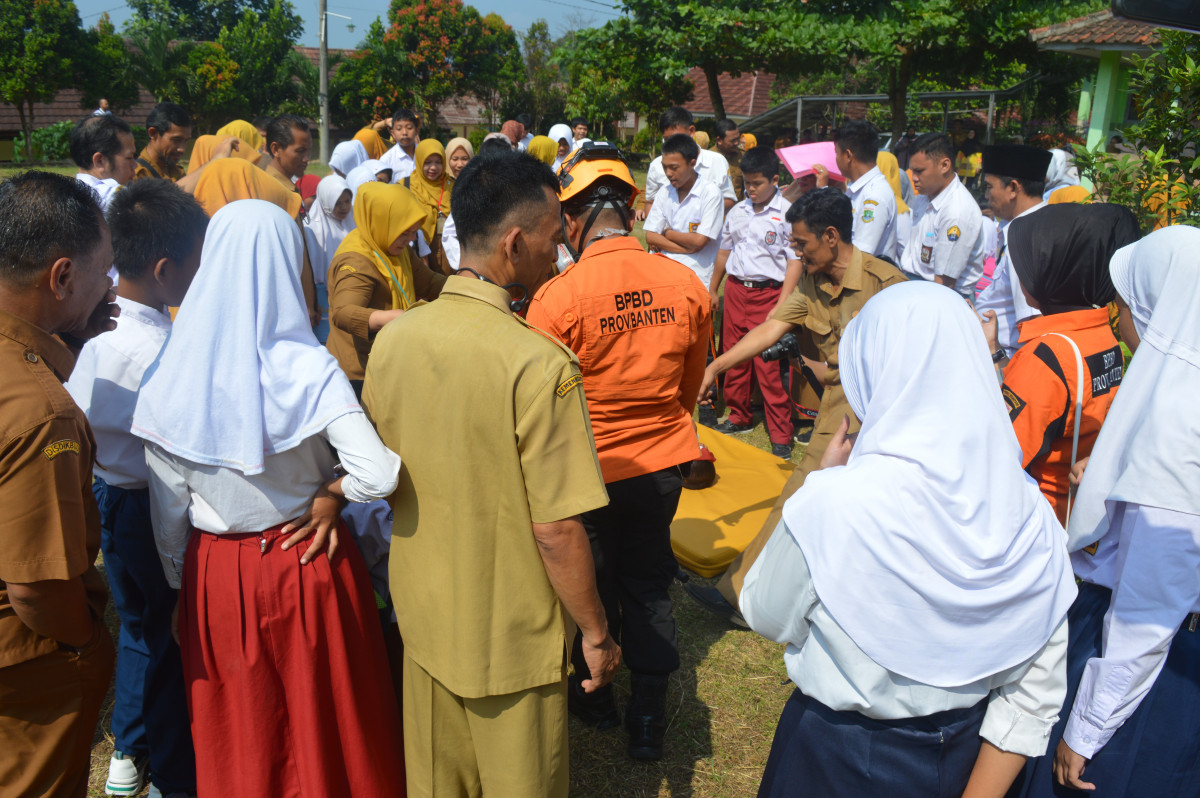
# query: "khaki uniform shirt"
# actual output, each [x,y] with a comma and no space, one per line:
[489,418]
[306,271]
[356,290]
[49,524]
[150,165]
[735,172]
[820,310]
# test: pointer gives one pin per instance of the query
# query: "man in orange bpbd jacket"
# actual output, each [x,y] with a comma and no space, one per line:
[640,325]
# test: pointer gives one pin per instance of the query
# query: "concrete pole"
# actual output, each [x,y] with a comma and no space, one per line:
[323,92]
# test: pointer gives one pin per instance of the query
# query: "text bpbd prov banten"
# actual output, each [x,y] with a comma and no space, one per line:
[635,309]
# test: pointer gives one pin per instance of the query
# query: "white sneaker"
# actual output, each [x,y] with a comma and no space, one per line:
[125,774]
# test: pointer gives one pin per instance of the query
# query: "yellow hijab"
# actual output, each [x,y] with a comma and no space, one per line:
[433,194]
[890,167]
[372,141]
[205,146]
[383,212]
[244,131]
[702,140]
[230,179]
[544,148]
[749,141]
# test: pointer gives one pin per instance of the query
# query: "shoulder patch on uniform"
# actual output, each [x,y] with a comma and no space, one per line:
[868,214]
[693,227]
[953,234]
[59,447]
[770,238]
[568,385]
[347,269]
[1014,403]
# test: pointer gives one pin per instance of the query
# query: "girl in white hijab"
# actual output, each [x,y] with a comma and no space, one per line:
[920,587]
[329,221]
[562,136]
[366,172]
[346,156]
[1134,680]
[245,417]
[1061,173]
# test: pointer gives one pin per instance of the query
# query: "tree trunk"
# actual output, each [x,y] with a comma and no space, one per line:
[26,128]
[898,80]
[714,91]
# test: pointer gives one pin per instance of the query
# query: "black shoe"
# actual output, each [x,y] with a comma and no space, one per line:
[707,416]
[711,599]
[645,737]
[729,428]
[783,450]
[645,717]
[803,433]
[597,709]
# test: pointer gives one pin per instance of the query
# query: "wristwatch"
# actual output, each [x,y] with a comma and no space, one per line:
[998,355]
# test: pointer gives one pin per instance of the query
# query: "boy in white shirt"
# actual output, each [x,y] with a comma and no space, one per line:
[856,147]
[158,232]
[711,166]
[687,214]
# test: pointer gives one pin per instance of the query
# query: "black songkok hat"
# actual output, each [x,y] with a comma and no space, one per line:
[1017,161]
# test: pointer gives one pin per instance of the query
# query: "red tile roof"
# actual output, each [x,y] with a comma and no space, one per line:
[66,106]
[1096,31]
[744,96]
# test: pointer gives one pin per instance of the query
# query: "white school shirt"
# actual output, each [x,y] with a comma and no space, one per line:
[1004,295]
[523,144]
[402,164]
[711,166]
[874,214]
[702,211]
[220,500]
[105,385]
[779,601]
[450,242]
[105,189]
[946,241]
[757,240]
[1150,559]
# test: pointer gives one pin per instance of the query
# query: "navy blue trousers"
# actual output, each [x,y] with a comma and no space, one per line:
[150,712]
[1156,752]
[819,752]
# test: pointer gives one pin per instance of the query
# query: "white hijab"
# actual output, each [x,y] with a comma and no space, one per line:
[326,232]
[242,376]
[1148,451]
[932,548]
[362,174]
[561,132]
[1061,173]
[347,155]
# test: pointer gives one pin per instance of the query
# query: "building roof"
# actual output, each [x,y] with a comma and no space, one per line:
[66,106]
[744,96]
[1096,33]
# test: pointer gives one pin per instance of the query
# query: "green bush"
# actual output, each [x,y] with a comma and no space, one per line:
[50,143]
[476,137]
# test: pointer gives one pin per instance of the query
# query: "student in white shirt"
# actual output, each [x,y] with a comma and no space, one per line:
[856,147]
[919,578]
[686,218]
[711,166]
[1134,536]
[406,132]
[246,418]
[157,232]
[946,245]
[102,147]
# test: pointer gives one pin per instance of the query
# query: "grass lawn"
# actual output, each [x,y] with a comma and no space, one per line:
[722,706]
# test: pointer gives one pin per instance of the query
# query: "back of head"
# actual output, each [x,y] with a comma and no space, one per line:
[496,193]
[495,142]
[860,137]
[934,146]
[150,220]
[760,161]
[526,122]
[166,114]
[227,180]
[597,177]
[45,217]
[683,145]
[282,129]
[97,135]
[677,116]
[821,209]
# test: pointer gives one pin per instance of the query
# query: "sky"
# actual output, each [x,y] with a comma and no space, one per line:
[562,15]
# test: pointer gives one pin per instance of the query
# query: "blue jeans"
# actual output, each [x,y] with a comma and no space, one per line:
[150,712]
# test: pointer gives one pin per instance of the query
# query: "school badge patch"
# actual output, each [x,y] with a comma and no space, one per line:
[926,253]
[693,227]
[953,234]
[770,238]
[59,447]
[868,212]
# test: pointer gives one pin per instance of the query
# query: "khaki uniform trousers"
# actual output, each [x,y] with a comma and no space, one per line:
[505,745]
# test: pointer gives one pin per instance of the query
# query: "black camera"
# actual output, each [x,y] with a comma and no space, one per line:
[787,346]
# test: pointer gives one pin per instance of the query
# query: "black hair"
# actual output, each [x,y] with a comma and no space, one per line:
[821,209]
[163,115]
[760,161]
[494,193]
[153,219]
[935,146]
[97,134]
[495,145]
[860,137]
[405,115]
[45,217]
[261,122]
[682,144]
[1031,188]
[724,126]
[579,120]
[279,129]
[526,121]
[675,117]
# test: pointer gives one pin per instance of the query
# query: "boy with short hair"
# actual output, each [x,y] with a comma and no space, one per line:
[158,232]
[710,165]
[406,132]
[762,270]
[688,212]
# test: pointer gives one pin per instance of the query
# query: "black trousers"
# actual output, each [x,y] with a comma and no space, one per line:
[631,544]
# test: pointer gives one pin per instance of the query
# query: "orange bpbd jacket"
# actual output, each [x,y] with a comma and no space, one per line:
[640,326]
[1039,389]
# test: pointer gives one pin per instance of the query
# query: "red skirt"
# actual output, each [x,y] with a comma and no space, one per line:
[286,671]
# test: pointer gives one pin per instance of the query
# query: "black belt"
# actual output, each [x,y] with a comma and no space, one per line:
[761,283]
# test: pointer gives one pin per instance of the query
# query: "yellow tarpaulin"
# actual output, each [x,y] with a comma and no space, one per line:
[712,526]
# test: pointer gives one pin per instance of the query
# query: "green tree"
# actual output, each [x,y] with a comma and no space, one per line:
[157,60]
[196,20]
[37,41]
[210,90]
[104,73]
[500,73]
[539,90]
[272,77]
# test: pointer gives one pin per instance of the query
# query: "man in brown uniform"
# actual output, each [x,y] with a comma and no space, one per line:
[169,128]
[56,656]
[485,572]
[728,144]
[838,280]
[289,144]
